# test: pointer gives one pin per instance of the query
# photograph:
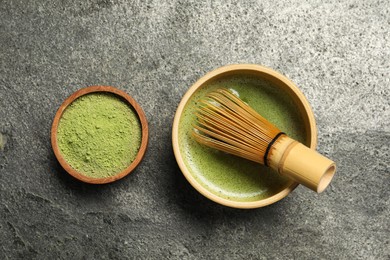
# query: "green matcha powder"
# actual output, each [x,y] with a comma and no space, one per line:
[99,135]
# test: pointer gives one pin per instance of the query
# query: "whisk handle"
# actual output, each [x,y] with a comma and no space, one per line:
[302,164]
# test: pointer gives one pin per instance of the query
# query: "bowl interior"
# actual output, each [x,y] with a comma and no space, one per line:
[227,179]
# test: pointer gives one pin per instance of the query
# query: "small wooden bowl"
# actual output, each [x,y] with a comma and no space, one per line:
[279,81]
[144,136]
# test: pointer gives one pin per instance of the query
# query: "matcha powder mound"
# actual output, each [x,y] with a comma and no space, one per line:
[99,135]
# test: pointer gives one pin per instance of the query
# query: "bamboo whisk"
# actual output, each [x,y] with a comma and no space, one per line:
[226,123]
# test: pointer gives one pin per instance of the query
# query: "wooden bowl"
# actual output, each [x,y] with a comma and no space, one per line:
[144,134]
[278,81]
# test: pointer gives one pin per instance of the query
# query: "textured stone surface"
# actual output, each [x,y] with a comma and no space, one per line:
[337,53]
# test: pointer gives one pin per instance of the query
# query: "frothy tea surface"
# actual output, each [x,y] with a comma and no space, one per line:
[228,176]
[99,135]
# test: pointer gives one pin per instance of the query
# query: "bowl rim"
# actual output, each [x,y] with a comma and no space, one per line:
[144,134]
[198,84]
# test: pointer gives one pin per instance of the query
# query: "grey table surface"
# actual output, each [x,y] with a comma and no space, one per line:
[337,52]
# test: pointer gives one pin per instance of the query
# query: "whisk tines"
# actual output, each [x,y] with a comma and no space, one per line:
[226,123]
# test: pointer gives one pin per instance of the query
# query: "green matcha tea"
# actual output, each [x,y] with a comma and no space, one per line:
[228,176]
[99,135]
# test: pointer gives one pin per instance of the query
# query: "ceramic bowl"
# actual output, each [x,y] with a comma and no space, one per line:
[144,134]
[278,91]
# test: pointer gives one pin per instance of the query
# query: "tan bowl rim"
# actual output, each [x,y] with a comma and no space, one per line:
[144,139]
[175,133]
